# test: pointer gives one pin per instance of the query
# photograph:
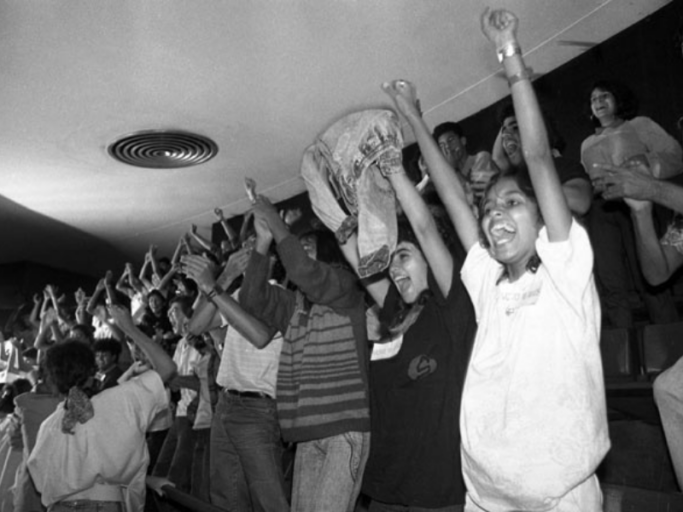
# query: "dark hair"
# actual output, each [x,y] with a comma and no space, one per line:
[158,294]
[327,247]
[184,302]
[626,102]
[188,283]
[521,177]
[447,127]
[164,262]
[70,364]
[405,314]
[411,157]
[107,345]
[555,139]
[30,353]
[86,330]
[405,233]
[10,391]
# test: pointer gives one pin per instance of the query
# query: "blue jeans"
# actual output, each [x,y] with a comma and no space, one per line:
[200,465]
[328,472]
[176,454]
[246,456]
[377,506]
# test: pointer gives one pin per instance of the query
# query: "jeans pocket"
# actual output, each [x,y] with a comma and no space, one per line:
[355,440]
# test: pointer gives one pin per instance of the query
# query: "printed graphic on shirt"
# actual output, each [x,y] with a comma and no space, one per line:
[421,366]
[513,300]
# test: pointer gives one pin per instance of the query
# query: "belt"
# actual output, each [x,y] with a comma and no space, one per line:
[87,505]
[247,394]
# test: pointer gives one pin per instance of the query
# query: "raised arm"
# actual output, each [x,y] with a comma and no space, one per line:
[203,242]
[658,262]
[109,287]
[203,272]
[377,288]
[92,303]
[81,305]
[320,282]
[500,27]
[447,184]
[230,233]
[123,282]
[33,318]
[144,269]
[156,355]
[634,183]
[165,281]
[156,275]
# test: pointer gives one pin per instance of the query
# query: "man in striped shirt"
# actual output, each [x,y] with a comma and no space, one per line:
[322,385]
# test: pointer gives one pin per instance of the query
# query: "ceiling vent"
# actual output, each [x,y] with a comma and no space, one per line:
[163,149]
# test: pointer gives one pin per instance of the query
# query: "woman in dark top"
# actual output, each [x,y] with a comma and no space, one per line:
[414,458]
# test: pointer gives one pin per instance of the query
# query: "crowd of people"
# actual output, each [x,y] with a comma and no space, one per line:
[428,340]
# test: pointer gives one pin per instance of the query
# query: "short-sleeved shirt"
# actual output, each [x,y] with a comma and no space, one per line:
[533,417]
[415,404]
[245,367]
[109,449]
[568,169]
[185,358]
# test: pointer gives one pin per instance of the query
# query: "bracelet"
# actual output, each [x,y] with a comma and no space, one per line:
[215,291]
[525,74]
[508,50]
[389,163]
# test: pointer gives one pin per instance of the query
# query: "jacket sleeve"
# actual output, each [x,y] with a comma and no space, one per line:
[270,303]
[319,282]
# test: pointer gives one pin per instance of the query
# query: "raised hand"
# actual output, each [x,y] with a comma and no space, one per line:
[219,213]
[264,209]
[404,96]
[200,269]
[236,265]
[631,182]
[121,317]
[108,277]
[291,216]
[193,228]
[37,299]
[250,189]
[499,26]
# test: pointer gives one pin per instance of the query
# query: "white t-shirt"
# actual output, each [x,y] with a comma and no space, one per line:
[204,413]
[109,449]
[185,357]
[533,418]
[244,367]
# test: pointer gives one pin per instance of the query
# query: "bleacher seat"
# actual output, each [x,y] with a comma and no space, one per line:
[662,346]
[619,359]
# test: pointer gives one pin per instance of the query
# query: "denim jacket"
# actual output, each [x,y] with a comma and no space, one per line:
[347,190]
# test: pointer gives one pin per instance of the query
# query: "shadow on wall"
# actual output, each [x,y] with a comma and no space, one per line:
[27,236]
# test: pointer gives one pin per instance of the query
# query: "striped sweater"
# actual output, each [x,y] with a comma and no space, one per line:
[322,384]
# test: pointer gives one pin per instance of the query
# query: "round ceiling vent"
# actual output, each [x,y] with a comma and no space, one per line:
[163,149]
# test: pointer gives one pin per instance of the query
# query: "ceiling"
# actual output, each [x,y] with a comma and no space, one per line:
[261,78]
